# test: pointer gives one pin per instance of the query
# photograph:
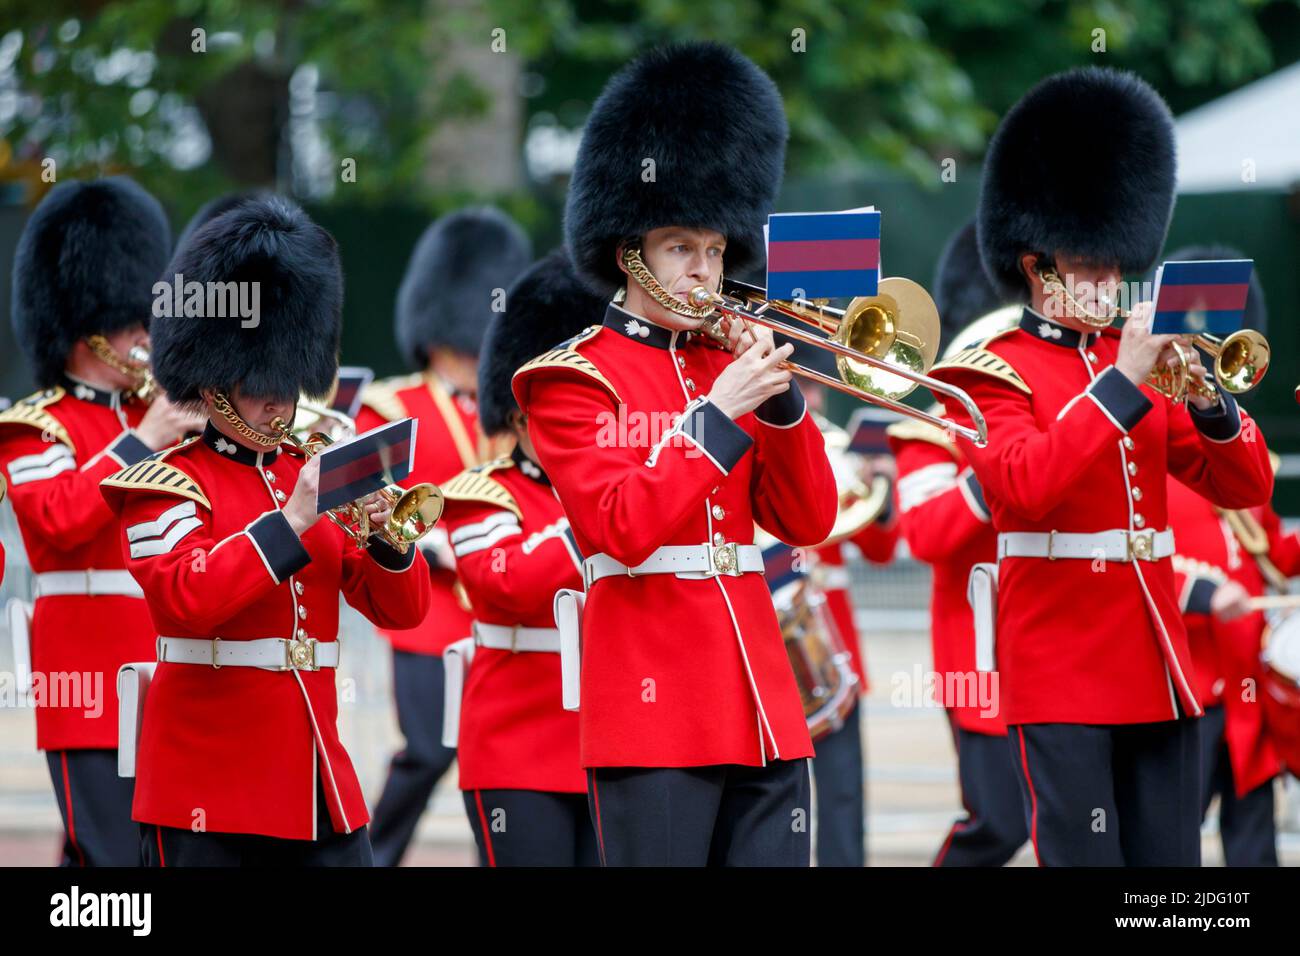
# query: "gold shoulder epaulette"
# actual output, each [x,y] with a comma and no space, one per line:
[476,484]
[155,475]
[382,395]
[911,429]
[567,356]
[31,411]
[986,363]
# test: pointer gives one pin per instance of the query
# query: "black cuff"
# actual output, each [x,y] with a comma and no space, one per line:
[782,410]
[976,493]
[386,556]
[279,547]
[721,439]
[1121,400]
[886,516]
[1220,422]
[1198,598]
[129,449]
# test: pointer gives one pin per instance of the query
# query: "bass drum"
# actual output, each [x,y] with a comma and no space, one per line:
[818,656]
[1280,694]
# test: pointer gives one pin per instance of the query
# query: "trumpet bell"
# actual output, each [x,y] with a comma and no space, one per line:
[415,512]
[1242,360]
[898,325]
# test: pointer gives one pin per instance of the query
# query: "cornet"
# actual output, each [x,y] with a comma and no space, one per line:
[1240,360]
[413,512]
[883,344]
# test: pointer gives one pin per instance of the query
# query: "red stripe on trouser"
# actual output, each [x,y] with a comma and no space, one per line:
[1033,797]
[483,824]
[67,801]
[600,836]
[956,828]
[162,860]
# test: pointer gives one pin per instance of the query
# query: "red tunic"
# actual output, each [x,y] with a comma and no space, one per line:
[946,523]
[676,672]
[448,441]
[243,746]
[1075,447]
[514,550]
[1225,654]
[55,448]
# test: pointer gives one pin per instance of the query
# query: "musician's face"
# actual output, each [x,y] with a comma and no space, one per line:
[680,258]
[122,342]
[1094,286]
[257,412]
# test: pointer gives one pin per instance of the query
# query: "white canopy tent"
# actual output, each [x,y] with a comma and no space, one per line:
[1251,132]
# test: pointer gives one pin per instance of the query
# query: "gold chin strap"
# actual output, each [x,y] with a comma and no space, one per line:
[221,405]
[639,271]
[104,352]
[1074,308]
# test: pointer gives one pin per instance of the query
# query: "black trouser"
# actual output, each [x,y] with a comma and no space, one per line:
[1246,824]
[723,815]
[95,804]
[841,795]
[169,846]
[994,826]
[1114,795]
[416,769]
[531,828]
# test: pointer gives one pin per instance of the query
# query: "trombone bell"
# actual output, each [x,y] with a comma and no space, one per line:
[898,325]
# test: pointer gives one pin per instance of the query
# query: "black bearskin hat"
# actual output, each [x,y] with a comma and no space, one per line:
[211,210]
[962,291]
[86,264]
[291,345]
[1256,316]
[714,126]
[449,292]
[546,306]
[1084,166]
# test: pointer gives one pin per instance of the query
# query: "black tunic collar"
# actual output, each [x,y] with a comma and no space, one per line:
[1041,327]
[528,467]
[642,330]
[233,450]
[91,393]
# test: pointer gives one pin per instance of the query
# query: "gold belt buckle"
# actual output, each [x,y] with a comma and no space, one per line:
[216,644]
[300,655]
[725,560]
[1141,545]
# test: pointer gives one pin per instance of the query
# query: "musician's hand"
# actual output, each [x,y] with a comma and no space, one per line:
[378,509]
[754,375]
[741,336]
[300,509]
[1198,371]
[1230,601]
[1139,349]
[164,424]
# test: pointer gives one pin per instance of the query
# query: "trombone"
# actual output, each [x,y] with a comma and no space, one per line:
[883,344]
[413,511]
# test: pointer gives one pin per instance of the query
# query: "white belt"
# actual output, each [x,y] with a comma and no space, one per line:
[1117,545]
[685,561]
[268,653]
[459,655]
[87,582]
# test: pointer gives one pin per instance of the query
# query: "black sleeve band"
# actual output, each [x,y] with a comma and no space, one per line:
[386,556]
[976,492]
[280,548]
[129,449]
[782,410]
[721,439]
[1121,400]
[1198,598]
[1220,422]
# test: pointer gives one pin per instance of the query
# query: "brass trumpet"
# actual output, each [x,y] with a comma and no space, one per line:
[883,344]
[413,511]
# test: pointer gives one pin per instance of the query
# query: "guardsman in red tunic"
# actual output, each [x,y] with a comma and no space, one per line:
[239,760]
[946,523]
[1223,559]
[83,280]
[455,282]
[1096,681]
[525,791]
[665,450]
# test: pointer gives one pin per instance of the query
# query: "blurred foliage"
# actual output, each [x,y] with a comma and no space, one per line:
[108,85]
